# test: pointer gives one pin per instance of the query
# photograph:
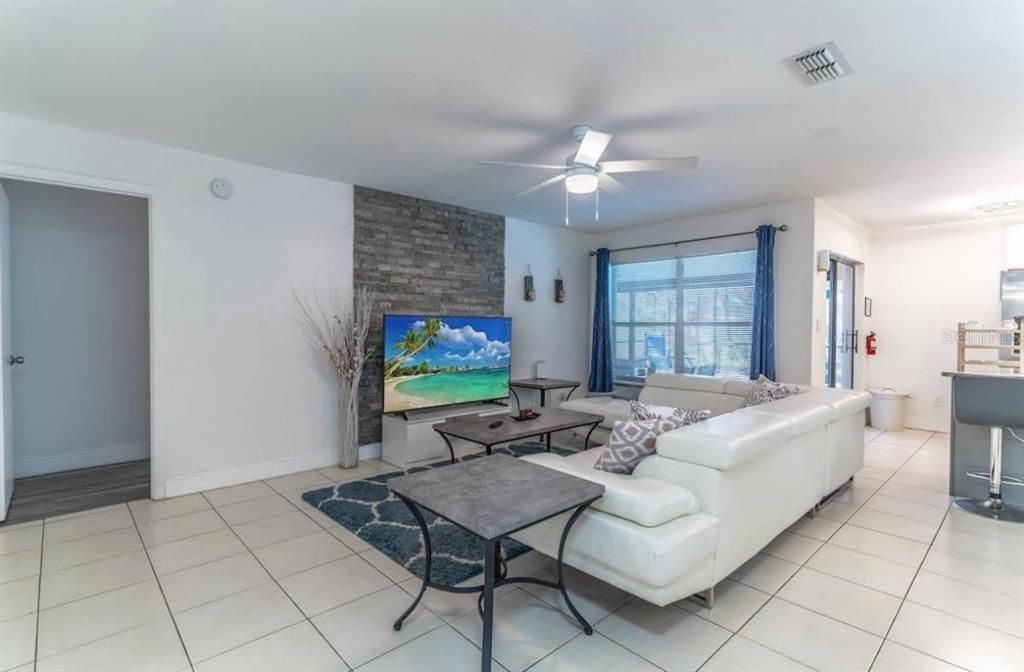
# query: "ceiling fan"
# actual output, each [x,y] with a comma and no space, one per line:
[585,173]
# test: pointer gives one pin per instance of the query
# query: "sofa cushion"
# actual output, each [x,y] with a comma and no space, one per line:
[633,440]
[727,440]
[845,402]
[688,382]
[765,391]
[739,388]
[805,411]
[644,501]
[611,408]
[638,410]
[716,402]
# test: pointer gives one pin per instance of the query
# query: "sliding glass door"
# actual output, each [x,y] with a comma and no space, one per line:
[840,333]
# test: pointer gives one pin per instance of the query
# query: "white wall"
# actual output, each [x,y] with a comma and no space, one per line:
[1015,246]
[843,236]
[924,281]
[79,312]
[237,393]
[794,266]
[542,329]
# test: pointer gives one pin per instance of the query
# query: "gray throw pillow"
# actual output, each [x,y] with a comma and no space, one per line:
[639,410]
[766,390]
[633,440]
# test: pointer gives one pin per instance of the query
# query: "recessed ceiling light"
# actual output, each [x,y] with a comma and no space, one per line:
[999,206]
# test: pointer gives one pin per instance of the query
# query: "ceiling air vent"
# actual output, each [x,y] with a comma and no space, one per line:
[821,64]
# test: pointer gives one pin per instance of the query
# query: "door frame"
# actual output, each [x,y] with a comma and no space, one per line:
[152,194]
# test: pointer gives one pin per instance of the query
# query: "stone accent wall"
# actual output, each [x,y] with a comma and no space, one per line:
[421,257]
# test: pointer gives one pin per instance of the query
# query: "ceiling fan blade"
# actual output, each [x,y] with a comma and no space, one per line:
[592,147]
[648,165]
[545,183]
[611,185]
[549,166]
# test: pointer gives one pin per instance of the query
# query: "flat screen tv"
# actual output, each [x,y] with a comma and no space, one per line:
[441,360]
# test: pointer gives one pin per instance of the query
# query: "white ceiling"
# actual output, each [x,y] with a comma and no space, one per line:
[408,96]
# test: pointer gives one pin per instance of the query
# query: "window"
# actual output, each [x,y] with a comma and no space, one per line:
[686,315]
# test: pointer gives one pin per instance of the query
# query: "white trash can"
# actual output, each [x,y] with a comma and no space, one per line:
[887,408]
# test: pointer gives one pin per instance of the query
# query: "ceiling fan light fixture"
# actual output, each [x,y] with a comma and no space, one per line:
[581,182]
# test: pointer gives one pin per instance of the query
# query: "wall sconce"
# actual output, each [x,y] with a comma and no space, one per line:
[529,293]
[559,288]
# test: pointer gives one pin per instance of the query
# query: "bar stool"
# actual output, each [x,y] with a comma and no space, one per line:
[993,507]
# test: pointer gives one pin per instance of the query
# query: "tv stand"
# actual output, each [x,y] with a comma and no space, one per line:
[408,438]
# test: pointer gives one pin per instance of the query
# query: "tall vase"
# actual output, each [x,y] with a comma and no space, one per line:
[348,417]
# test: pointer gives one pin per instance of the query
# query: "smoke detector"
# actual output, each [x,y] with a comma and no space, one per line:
[821,64]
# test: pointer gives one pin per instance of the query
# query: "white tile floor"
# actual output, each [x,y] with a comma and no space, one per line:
[251,578]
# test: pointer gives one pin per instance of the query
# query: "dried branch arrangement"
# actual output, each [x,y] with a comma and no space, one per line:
[338,332]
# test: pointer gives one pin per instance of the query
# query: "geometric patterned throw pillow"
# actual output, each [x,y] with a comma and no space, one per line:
[638,410]
[633,440]
[765,390]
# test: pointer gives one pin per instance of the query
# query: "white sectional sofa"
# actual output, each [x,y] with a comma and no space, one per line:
[715,493]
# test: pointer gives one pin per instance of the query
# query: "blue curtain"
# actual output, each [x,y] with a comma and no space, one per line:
[601,379]
[762,347]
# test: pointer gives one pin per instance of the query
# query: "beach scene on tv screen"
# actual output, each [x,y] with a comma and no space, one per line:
[436,361]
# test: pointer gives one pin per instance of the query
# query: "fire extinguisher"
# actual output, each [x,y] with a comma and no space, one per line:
[871,343]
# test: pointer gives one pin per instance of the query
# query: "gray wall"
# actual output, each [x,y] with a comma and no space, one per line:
[422,257]
[80,317]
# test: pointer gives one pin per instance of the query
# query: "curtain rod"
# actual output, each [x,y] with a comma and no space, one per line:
[784,227]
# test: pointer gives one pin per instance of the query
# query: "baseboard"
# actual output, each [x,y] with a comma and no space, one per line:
[80,460]
[928,424]
[222,478]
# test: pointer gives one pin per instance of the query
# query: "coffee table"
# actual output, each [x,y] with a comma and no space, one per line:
[477,429]
[492,497]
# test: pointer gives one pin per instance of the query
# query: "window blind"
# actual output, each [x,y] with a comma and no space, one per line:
[686,315]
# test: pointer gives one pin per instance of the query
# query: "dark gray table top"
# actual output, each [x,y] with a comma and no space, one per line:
[544,383]
[478,428]
[496,495]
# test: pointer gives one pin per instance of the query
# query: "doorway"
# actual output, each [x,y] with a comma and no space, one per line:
[76,393]
[840,329]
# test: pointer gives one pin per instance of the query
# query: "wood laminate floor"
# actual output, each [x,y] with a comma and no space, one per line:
[48,495]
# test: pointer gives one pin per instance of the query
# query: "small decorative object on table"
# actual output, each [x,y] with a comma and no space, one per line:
[338,332]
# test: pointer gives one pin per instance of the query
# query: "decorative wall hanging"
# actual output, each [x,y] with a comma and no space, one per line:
[559,288]
[529,292]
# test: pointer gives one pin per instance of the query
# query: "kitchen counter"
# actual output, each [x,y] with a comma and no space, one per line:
[1001,374]
[981,400]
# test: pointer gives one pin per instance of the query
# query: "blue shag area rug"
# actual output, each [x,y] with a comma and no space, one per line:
[368,509]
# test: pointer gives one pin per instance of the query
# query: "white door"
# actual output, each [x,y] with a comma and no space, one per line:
[6,413]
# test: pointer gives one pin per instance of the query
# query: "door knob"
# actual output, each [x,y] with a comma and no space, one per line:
[12,360]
